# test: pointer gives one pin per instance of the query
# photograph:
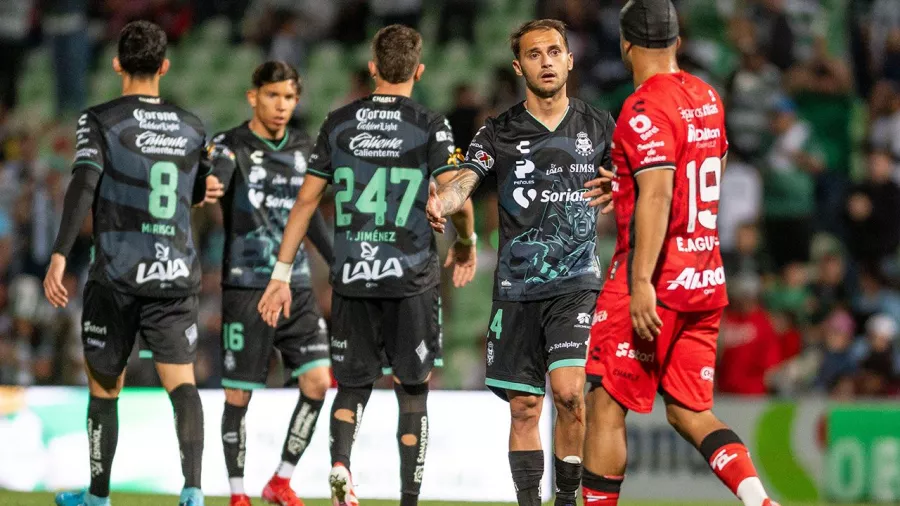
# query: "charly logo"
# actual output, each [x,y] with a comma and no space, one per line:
[163,269]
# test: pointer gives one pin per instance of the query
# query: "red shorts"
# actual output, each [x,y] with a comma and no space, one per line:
[680,362]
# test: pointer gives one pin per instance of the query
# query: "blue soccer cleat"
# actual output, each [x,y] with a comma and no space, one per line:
[191,497]
[83,498]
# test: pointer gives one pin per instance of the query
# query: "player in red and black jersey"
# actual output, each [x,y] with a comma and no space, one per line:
[657,318]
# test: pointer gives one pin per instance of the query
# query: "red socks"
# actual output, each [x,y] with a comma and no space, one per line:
[728,458]
[600,490]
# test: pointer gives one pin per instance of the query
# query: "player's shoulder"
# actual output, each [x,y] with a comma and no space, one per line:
[507,119]
[230,137]
[589,112]
[298,138]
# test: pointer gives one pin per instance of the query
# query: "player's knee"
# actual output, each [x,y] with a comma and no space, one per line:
[681,419]
[315,383]
[568,399]
[238,398]
[525,411]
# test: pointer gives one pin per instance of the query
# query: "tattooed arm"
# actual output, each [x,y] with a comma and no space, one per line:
[450,197]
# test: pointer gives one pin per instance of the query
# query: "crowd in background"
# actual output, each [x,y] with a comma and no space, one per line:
[810,204]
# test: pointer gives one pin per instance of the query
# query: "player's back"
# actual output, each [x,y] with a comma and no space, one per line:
[379,153]
[148,153]
[674,121]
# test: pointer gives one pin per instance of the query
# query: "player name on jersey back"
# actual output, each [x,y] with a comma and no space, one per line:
[149,155]
[547,234]
[379,153]
[673,122]
[262,179]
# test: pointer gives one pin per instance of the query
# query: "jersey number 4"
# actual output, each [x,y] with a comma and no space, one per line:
[710,169]
[372,200]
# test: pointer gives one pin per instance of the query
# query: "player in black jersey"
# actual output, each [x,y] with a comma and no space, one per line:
[262,164]
[139,166]
[379,153]
[543,151]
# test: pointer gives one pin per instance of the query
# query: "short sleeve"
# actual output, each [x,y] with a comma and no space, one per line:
[441,147]
[647,137]
[320,159]
[481,154]
[88,143]
[221,159]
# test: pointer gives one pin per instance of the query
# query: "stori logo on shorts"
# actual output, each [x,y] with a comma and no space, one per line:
[525,197]
[625,350]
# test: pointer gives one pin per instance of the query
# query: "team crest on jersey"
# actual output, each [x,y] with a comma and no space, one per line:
[583,145]
[299,162]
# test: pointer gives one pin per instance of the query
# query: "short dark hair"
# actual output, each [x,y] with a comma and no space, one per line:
[142,48]
[274,71]
[397,50]
[515,40]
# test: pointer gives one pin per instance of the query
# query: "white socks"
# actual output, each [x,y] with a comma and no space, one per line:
[751,492]
[237,486]
[285,470]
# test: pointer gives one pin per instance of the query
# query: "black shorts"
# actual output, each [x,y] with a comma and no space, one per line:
[247,341]
[372,337]
[526,340]
[111,321]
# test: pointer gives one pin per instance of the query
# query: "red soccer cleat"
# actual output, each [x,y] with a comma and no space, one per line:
[769,502]
[240,500]
[279,491]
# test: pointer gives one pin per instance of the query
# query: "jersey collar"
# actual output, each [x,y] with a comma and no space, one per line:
[269,143]
[541,124]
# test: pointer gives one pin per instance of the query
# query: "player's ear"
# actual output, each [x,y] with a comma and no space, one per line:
[678,43]
[116,65]
[419,71]
[517,67]
[251,97]
[571,64]
[373,70]
[164,68]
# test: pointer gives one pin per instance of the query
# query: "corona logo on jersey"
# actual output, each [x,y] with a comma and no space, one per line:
[163,269]
[372,269]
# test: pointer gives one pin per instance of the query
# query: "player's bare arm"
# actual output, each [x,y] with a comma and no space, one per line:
[462,254]
[277,297]
[449,198]
[652,209]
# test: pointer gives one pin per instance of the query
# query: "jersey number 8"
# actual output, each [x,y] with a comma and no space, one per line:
[709,192]
[163,190]
[372,200]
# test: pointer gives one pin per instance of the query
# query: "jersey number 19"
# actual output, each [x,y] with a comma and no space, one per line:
[709,191]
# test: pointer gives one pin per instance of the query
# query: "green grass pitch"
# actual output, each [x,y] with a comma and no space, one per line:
[46,499]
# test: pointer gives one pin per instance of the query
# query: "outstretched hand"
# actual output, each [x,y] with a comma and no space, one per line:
[464,260]
[277,298]
[434,210]
[600,191]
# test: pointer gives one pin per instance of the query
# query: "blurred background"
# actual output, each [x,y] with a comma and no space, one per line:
[810,202]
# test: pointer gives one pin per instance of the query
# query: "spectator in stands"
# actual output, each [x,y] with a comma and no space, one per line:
[884,22]
[872,209]
[752,93]
[836,374]
[506,89]
[829,290]
[774,32]
[748,255]
[748,345]
[740,198]
[791,292]
[15,25]
[792,164]
[878,373]
[874,296]
[66,25]
[360,87]
[465,117]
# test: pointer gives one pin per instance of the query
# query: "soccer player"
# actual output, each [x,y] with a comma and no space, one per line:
[657,320]
[139,165]
[262,164]
[379,153]
[543,151]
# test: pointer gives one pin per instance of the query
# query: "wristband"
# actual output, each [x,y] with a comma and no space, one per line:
[282,272]
[468,241]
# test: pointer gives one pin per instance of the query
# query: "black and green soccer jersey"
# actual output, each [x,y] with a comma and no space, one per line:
[150,154]
[547,234]
[261,181]
[379,153]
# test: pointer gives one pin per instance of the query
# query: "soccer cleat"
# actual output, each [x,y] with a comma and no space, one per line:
[342,493]
[83,498]
[769,502]
[191,497]
[240,500]
[278,491]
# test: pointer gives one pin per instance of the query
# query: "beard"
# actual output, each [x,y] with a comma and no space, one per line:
[546,91]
